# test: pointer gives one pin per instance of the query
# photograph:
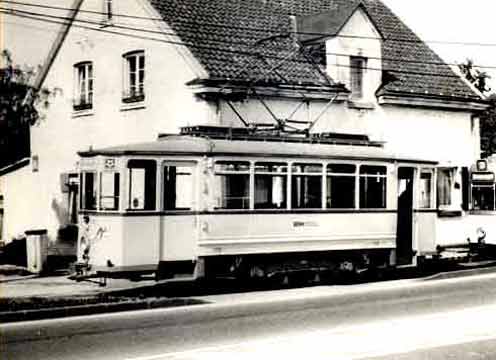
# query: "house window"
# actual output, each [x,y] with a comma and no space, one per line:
[341,180]
[306,186]
[142,184]
[373,181]
[134,77]
[83,94]
[358,65]
[270,185]
[232,179]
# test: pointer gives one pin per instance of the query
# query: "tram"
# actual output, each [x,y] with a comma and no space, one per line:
[200,204]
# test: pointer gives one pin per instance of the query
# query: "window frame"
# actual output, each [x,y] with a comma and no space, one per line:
[432,188]
[192,165]
[358,67]
[384,176]
[147,202]
[216,172]
[283,174]
[117,191]
[304,174]
[134,91]
[353,175]
[83,85]
[83,192]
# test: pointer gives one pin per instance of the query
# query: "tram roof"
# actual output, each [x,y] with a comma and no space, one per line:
[193,145]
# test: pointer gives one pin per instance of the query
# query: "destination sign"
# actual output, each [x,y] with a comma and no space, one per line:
[483,177]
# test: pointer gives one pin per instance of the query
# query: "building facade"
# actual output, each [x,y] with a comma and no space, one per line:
[130,70]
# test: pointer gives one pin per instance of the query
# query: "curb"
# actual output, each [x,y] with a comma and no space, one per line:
[79,310]
[27,277]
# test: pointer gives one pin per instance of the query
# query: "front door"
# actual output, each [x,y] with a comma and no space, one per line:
[404,230]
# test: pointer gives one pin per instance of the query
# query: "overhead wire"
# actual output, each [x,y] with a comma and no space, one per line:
[187,21]
[65,21]
[231,42]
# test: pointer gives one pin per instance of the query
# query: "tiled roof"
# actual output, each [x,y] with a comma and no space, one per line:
[227,36]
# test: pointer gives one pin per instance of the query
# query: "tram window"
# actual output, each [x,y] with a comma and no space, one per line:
[88,191]
[372,187]
[109,191]
[341,179]
[483,197]
[142,184]
[232,179]
[444,187]
[306,186]
[178,187]
[425,190]
[270,185]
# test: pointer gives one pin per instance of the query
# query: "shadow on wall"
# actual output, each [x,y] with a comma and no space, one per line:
[65,245]
[61,212]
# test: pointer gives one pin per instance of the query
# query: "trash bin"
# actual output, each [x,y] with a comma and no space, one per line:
[36,249]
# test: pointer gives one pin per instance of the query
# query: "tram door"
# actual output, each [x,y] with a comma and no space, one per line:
[404,229]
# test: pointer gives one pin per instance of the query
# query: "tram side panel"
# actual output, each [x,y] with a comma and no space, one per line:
[178,237]
[236,234]
[425,232]
[141,240]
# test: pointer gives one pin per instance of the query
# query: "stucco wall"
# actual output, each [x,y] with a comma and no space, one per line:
[446,136]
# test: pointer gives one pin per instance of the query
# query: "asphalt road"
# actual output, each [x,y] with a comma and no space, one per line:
[410,317]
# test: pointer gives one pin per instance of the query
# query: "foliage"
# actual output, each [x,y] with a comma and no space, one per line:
[487,118]
[19,104]
[475,76]
[488,128]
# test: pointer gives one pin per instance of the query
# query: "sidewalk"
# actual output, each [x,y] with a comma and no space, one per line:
[32,298]
[16,286]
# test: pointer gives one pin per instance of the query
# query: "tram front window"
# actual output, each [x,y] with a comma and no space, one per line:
[306,186]
[109,191]
[178,187]
[341,186]
[372,187]
[232,184]
[88,191]
[142,184]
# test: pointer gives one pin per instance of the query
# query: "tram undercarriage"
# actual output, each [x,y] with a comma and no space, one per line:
[280,266]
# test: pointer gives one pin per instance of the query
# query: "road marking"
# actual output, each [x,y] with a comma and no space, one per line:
[356,342]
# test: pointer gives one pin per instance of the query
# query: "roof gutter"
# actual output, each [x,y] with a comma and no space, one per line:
[430,101]
[225,88]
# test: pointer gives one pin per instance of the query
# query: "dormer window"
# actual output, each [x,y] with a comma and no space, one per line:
[83,91]
[134,77]
[358,64]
